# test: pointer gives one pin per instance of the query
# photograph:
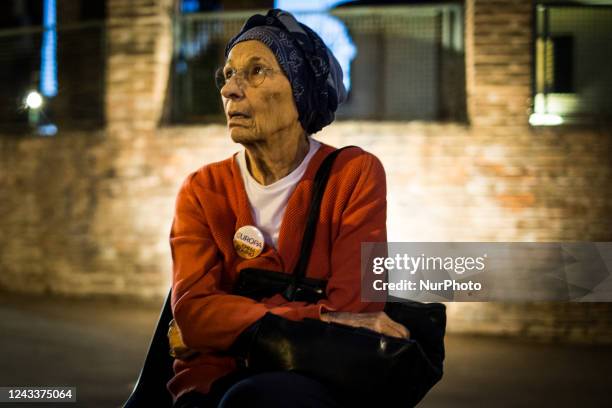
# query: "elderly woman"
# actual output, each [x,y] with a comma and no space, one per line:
[279,85]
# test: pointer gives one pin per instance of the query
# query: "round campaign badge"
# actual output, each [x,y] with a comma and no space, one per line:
[248,241]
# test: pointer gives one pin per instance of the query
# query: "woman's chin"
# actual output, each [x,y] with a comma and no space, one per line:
[242,135]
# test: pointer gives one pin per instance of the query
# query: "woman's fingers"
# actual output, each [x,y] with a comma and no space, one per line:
[379,322]
[390,328]
[399,329]
[178,349]
[385,325]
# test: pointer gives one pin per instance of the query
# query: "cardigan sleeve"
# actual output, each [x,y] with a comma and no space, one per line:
[211,319]
[363,220]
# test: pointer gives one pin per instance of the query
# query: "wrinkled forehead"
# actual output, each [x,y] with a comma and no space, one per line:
[250,52]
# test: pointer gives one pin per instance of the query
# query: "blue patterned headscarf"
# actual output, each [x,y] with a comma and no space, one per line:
[313,71]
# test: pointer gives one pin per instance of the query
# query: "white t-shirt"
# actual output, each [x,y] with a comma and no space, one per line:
[268,203]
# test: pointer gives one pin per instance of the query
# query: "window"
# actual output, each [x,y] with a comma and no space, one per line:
[562,62]
[404,62]
[573,79]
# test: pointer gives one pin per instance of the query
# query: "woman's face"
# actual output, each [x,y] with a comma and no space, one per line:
[257,113]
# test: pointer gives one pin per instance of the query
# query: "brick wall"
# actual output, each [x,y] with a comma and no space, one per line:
[139,51]
[498,45]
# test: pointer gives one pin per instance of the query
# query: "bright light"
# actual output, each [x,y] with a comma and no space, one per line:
[331,29]
[190,6]
[47,130]
[48,51]
[545,119]
[34,100]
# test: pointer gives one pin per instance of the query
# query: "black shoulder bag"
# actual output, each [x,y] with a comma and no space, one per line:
[362,366]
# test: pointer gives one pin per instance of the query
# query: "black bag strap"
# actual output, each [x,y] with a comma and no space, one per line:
[320,182]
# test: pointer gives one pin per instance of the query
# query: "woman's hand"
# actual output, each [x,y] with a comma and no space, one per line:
[178,349]
[379,322]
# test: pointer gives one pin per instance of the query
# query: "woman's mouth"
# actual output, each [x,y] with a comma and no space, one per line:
[238,115]
[236,118]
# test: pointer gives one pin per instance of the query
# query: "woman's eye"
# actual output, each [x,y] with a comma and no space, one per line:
[257,70]
[228,74]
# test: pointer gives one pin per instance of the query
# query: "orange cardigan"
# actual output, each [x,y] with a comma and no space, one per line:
[212,204]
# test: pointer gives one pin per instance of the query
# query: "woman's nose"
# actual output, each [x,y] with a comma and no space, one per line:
[233,88]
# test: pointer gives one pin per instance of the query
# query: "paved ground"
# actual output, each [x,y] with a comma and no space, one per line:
[98,346]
